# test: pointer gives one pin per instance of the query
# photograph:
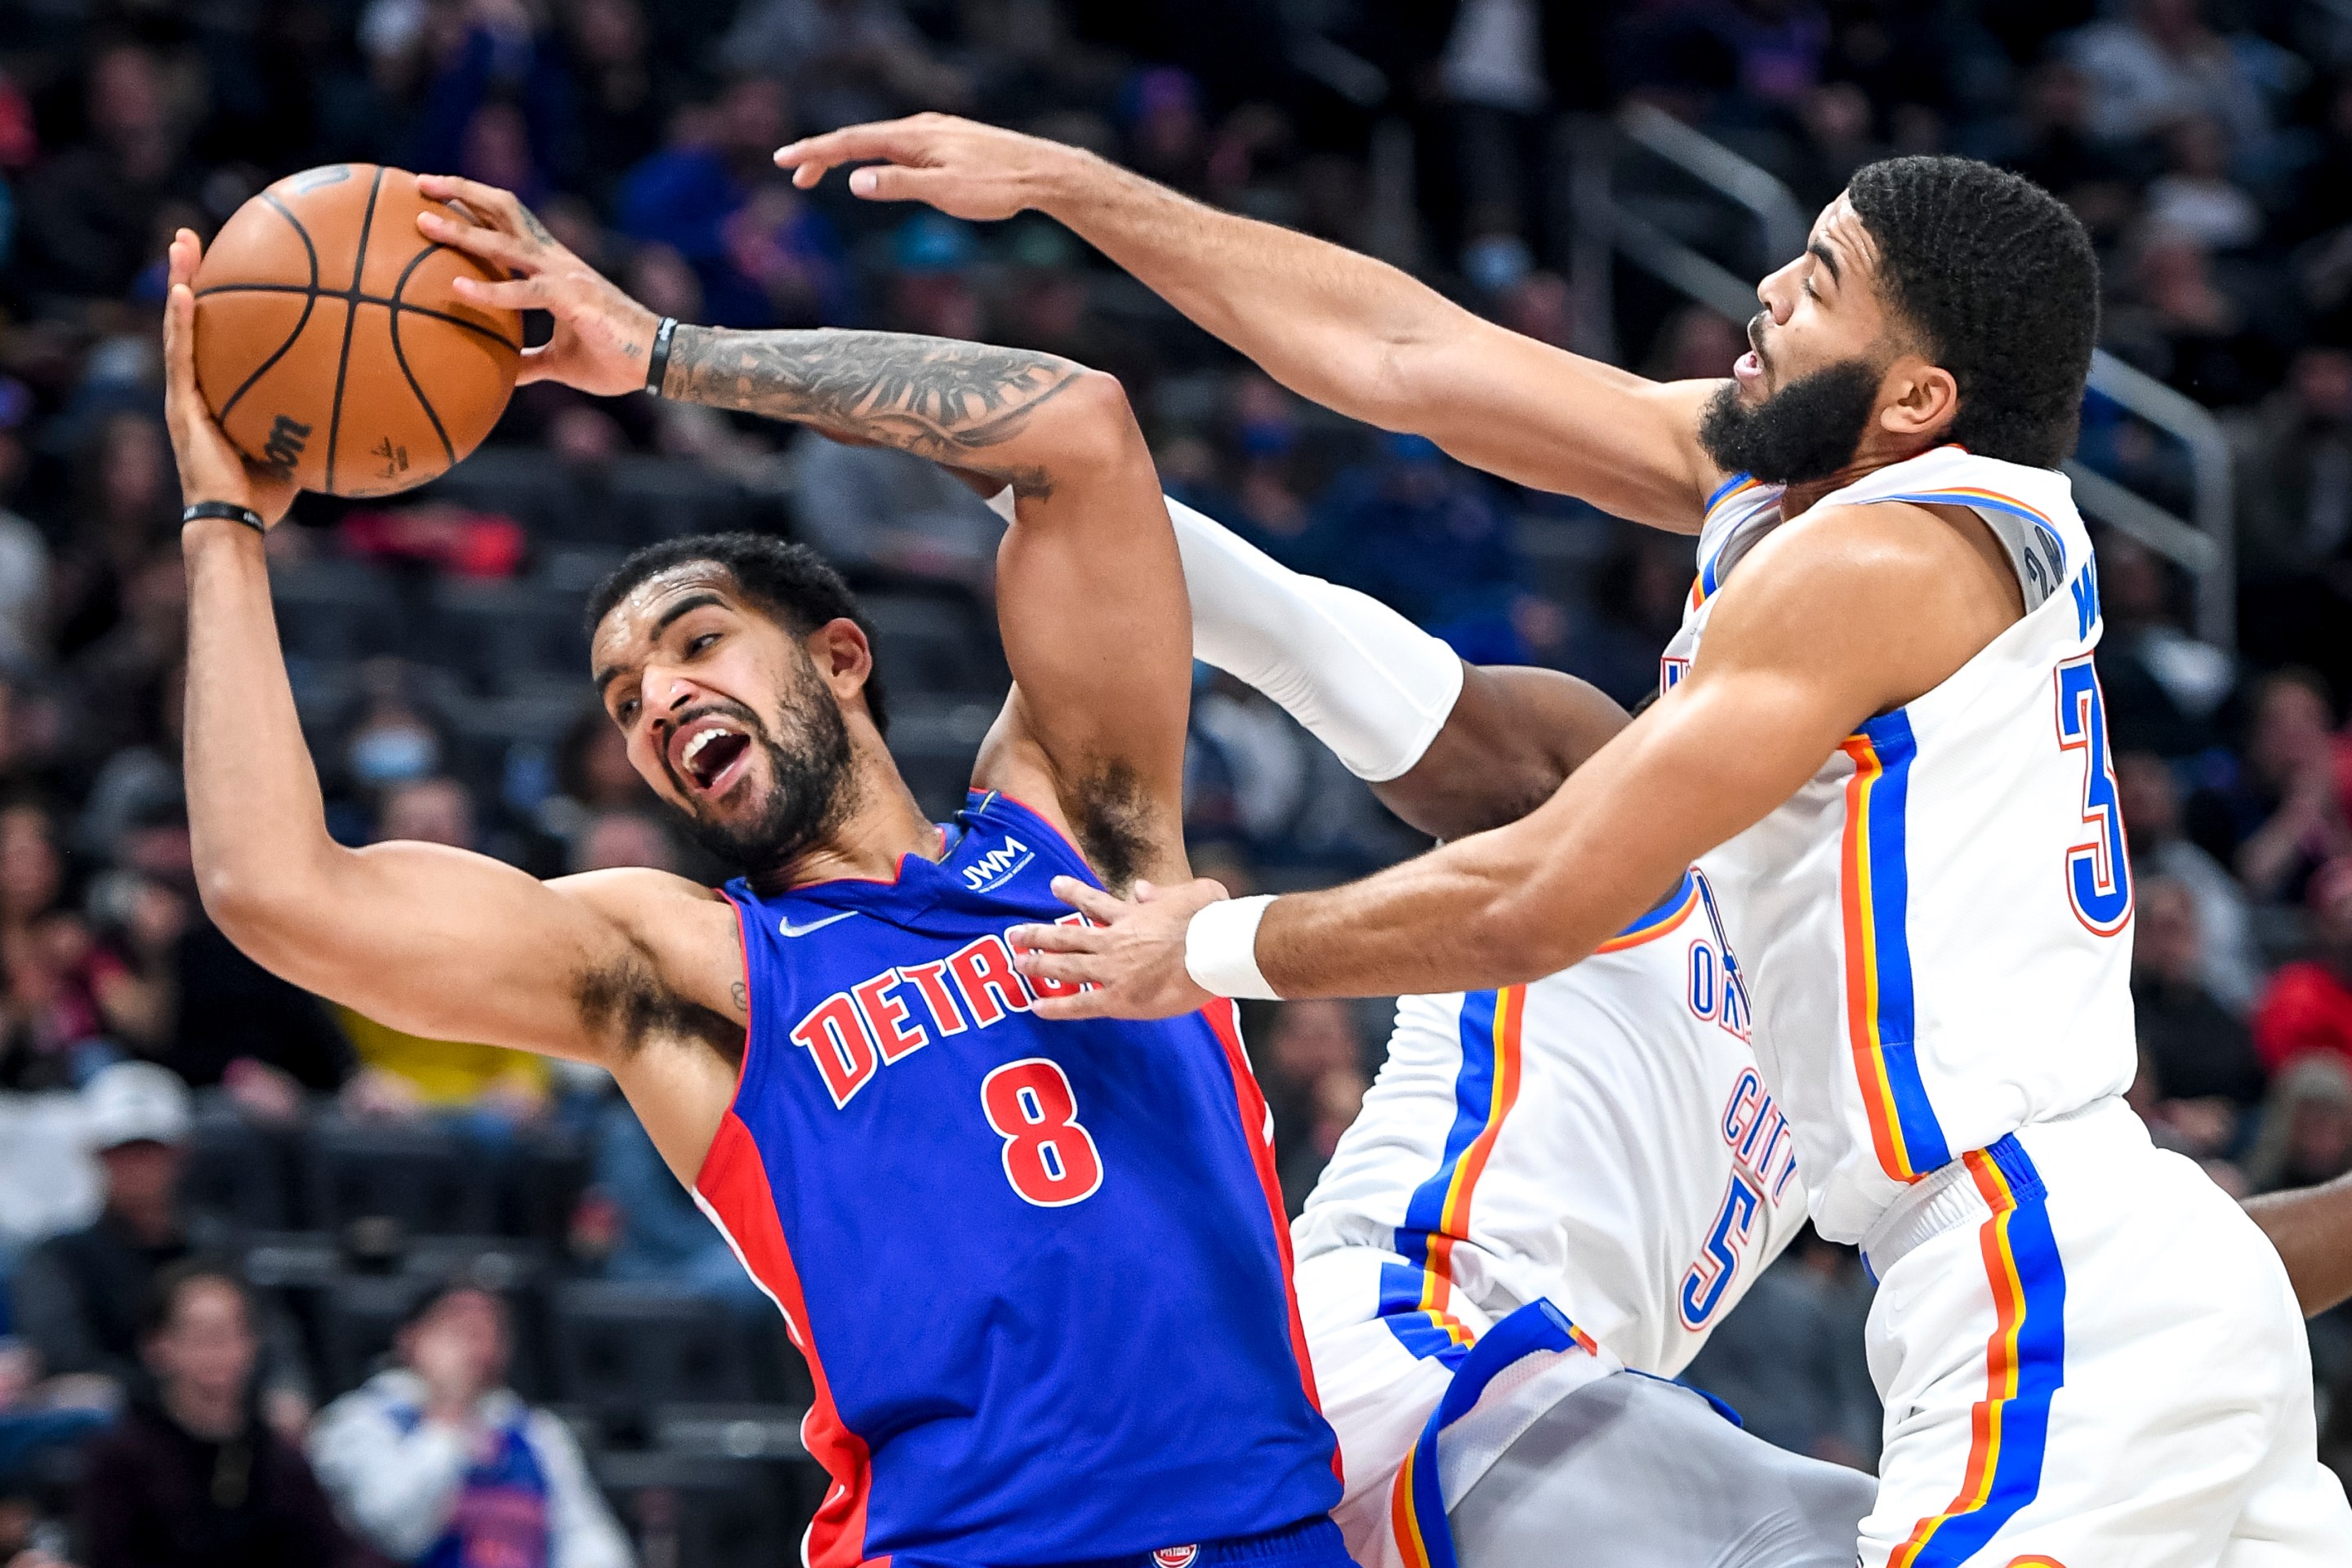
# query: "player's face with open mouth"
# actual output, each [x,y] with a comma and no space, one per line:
[725,714]
[1801,399]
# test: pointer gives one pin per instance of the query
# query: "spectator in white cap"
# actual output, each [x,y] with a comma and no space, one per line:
[79,1296]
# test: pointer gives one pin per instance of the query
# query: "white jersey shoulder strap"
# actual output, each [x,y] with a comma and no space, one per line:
[2030,510]
[1740,512]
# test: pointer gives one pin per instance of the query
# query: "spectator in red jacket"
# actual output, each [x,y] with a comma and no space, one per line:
[2308,1003]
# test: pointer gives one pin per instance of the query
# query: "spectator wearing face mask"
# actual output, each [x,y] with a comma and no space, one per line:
[392,740]
[436,1463]
[191,1477]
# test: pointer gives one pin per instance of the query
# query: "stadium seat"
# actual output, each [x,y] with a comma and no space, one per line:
[357,1315]
[629,1347]
[236,1174]
[934,739]
[498,633]
[935,643]
[356,1318]
[658,497]
[699,1512]
[337,612]
[532,487]
[419,1176]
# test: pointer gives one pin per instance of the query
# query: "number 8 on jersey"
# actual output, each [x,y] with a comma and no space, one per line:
[1049,1158]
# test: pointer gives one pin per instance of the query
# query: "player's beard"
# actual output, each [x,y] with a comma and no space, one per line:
[810,781]
[1808,430]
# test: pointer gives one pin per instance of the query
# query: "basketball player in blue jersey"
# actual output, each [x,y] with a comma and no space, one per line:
[1039,1271]
[1882,740]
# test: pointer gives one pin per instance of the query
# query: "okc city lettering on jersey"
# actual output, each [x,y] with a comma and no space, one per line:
[1758,1136]
[853,1032]
[1718,991]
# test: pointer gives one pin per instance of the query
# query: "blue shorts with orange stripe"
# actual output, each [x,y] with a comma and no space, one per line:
[2041,1410]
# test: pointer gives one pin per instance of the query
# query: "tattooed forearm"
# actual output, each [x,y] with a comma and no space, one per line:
[942,398]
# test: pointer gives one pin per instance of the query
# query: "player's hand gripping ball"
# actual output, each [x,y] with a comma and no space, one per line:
[331,344]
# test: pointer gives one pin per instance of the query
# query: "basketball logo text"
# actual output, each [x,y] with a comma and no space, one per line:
[395,458]
[284,448]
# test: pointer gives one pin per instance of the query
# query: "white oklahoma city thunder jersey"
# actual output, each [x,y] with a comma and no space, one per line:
[1601,1137]
[1937,926]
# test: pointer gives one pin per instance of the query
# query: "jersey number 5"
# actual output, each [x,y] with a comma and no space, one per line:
[1050,1160]
[2098,873]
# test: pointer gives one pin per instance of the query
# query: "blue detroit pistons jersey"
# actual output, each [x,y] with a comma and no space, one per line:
[1039,1270]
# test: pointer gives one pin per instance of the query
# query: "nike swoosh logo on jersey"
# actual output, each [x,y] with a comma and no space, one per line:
[790,930]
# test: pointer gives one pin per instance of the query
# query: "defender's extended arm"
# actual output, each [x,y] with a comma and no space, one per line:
[1452,749]
[2312,1228]
[1842,613]
[1352,333]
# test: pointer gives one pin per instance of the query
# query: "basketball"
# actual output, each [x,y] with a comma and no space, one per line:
[330,344]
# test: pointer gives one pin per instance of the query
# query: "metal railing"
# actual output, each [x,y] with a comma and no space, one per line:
[1602,225]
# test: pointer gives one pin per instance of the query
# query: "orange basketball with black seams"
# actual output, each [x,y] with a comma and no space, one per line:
[330,344]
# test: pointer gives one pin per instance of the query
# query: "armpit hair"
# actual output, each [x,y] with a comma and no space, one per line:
[625,1001]
[1110,811]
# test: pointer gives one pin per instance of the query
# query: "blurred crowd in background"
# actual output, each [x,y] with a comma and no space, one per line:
[249,1241]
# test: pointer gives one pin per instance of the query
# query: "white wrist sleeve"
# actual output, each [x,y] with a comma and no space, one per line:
[1365,681]
[1221,949]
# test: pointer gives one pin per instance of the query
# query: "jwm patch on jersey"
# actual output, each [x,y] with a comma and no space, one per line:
[1039,1270]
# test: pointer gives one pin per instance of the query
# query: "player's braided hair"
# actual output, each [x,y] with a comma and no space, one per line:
[791,582]
[2000,279]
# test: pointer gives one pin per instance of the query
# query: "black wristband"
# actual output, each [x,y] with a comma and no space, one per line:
[657,364]
[230,509]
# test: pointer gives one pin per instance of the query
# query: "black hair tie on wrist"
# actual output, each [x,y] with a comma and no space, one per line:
[657,364]
[230,509]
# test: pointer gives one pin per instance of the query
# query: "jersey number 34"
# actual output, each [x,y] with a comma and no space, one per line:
[2098,872]
[1049,1158]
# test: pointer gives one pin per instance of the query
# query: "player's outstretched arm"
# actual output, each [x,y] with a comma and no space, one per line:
[421,937]
[1452,749]
[1350,333]
[2312,1228]
[1843,613]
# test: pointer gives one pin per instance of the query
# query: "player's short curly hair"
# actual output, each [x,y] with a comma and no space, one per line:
[791,583]
[1999,280]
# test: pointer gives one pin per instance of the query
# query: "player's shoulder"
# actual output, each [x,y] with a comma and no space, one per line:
[1897,594]
[1854,559]
[655,908]
[627,887]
